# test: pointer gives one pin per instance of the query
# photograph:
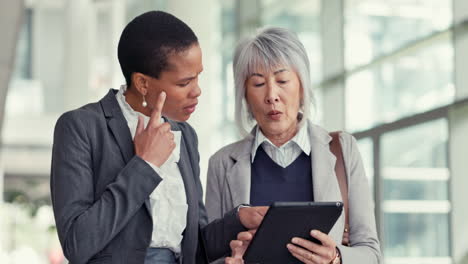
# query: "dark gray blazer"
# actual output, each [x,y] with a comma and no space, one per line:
[100,191]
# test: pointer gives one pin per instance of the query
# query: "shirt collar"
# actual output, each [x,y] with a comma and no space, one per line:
[301,139]
[132,119]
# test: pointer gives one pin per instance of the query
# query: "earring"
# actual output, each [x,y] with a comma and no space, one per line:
[144,103]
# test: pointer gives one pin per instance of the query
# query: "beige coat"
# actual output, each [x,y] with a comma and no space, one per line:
[228,185]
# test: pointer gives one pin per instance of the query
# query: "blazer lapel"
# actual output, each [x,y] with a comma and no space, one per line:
[186,172]
[323,166]
[325,183]
[119,128]
[185,165]
[238,176]
[123,137]
[239,181]
[118,125]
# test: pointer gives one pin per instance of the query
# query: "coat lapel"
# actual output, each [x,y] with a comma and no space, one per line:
[323,166]
[325,183]
[119,128]
[186,172]
[185,166]
[118,125]
[238,176]
[239,181]
[123,137]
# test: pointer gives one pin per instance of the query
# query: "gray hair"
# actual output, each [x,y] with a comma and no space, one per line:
[268,49]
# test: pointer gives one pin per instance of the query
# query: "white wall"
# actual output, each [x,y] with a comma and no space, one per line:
[333,64]
[11,16]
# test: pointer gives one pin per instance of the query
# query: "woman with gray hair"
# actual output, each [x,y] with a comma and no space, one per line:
[286,157]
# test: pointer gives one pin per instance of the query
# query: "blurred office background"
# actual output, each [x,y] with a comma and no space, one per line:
[392,72]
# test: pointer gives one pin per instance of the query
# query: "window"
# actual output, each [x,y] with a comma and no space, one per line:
[303,17]
[374,28]
[411,84]
[416,204]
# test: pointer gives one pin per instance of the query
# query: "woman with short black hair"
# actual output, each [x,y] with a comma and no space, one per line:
[125,171]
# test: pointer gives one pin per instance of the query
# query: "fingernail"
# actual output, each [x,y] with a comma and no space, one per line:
[295,240]
[163,94]
[289,246]
[314,232]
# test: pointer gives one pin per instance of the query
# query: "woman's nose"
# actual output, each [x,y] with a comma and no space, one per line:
[272,94]
[196,91]
[271,100]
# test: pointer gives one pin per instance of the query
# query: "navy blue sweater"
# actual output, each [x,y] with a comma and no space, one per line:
[270,182]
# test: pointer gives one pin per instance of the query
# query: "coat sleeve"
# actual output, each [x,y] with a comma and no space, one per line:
[86,224]
[364,242]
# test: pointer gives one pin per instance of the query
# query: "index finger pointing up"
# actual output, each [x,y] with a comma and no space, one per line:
[157,110]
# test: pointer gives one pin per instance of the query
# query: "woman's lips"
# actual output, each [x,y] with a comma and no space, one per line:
[190,109]
[275,115]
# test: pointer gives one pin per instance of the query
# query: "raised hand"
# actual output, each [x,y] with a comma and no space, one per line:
[154,143]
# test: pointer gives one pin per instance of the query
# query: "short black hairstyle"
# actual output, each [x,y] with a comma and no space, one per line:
[147,41]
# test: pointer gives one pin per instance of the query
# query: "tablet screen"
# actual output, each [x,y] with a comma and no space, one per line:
[285,220]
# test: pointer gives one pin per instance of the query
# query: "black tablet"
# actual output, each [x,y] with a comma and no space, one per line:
[285,220]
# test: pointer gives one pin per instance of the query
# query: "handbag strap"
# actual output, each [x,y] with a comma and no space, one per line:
[340,171]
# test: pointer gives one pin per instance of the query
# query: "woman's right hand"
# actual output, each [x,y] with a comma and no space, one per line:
[154,143]
[252,216]
[239,246]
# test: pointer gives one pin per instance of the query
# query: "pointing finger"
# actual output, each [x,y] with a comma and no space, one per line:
[157,110]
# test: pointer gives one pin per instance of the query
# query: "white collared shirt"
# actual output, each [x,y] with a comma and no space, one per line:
[286,153]
[168,201]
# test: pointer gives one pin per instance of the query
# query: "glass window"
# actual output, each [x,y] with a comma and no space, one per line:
[229,32]
[417,236]
[416,204]
[373,28]
[408,85]
[137,7]
[23,60]
[60,43]
[303,17]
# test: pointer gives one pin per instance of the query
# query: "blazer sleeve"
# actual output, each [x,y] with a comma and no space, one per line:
[216,235]
[364,243]
[86,224]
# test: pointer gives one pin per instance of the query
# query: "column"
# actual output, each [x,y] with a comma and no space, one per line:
[207,29]
[458,142]
[333,64]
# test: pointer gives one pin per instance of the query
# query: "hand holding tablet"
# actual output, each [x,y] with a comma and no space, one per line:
[285,221]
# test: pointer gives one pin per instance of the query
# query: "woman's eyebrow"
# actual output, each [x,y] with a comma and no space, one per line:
[261,75]
[279,71]
[256,74]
